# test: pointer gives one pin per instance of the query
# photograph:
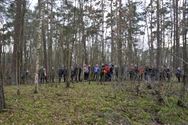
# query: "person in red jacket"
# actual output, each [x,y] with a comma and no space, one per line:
[107,72]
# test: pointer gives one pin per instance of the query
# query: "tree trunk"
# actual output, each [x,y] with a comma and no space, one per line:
[38,46]
[50,59]
[112,33]
[45,63]
[163,50]
[181,100]
[83,37]
[158,57]
[68,62]
[102,35]
[171,38]
[151,55]
[119,42]
[2,97]
[18,41]
[22,40]
[130,41]
[177,33]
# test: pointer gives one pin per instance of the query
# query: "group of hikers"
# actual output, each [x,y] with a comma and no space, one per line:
[109,72]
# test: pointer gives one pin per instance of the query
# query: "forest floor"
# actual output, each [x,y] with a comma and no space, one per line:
[92,104]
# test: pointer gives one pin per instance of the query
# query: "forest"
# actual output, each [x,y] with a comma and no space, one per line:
[90,62]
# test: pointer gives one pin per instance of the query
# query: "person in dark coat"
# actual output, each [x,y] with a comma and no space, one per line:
[60,74]
[41,75]
[167,73]
[102,73]
[79,73]
[86,72]
[76,72]
[178,74]
[65,74]
[131,72]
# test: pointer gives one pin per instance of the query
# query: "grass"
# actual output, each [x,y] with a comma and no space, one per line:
[93,104]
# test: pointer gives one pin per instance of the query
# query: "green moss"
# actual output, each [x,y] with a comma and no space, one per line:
[89,104]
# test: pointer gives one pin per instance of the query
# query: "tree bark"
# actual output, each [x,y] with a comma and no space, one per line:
[102,35]
[130,41]
[18,42]
[158,57]
[112,33]
[181,100]
[22,39]
[50,59]
[2,97]
[45,63]
[151,35]
[177,33]
[38,46]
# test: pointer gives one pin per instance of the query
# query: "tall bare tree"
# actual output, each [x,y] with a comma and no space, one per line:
[181,100]
[130,30]
[38,45]
[112,33]
[18,41]
[158,57]
[50,41]
[119,39]
[2,97]
[102,35]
